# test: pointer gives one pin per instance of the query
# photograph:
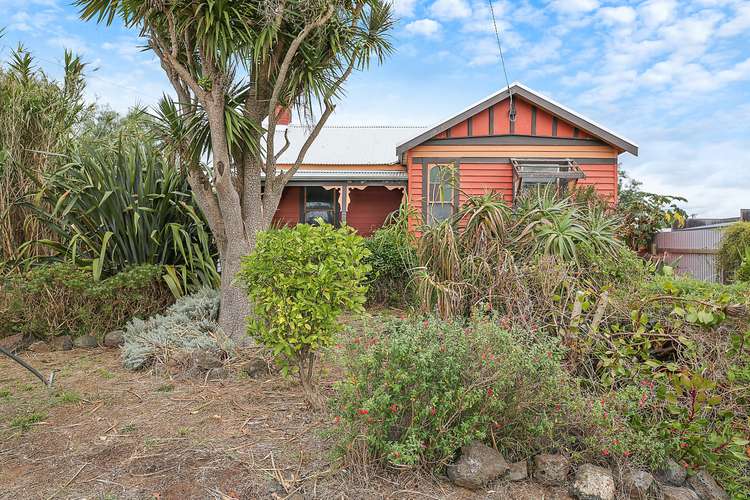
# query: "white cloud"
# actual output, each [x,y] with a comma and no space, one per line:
[424,27]
[739,24]
[618,15]
[656,12]
[450,9]
[403,8]
[574,6]
[480,20]
[70,42]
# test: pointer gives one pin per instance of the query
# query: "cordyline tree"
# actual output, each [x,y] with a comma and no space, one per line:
[234,65]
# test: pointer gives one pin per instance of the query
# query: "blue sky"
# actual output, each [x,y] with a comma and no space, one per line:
[673,76]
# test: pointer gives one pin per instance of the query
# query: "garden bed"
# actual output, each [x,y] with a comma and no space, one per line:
[107,432]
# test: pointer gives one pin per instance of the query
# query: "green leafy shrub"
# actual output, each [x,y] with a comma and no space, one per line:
[416,391]
[60,299]
[190,324]
[732,249]
[392,256]
[300,280]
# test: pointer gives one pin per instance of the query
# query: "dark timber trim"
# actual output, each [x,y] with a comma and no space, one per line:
[512,111]
[523,140]
[457,187]
[533,120]
[535,99]
[491,113]
[469,126]
[575,132]
[424,192]
[554,126]
[448,133]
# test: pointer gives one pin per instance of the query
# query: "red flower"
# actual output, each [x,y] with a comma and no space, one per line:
[363,411]
[683,445]
[394,407]
[605,452]
[337,420]
[432,411]
[557,407]
[615,442]
[626,453]
[490,392]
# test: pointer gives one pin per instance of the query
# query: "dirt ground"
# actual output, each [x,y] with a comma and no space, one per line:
[105,432]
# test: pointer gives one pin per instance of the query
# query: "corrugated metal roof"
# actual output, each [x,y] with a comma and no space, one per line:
[350,175]
[347,144]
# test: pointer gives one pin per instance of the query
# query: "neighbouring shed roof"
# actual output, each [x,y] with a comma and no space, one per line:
[534,97]
[346,144]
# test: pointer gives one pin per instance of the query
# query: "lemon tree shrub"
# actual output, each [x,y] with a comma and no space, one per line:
[300,280]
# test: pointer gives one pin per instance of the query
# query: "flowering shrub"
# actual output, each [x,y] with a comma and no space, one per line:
[417,390]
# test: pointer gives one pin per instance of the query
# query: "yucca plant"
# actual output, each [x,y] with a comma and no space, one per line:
[115,209]
[476,257]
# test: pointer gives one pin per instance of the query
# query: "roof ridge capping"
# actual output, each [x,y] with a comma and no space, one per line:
[362,126]
[538,99]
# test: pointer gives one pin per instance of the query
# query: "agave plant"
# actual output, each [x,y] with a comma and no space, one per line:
[114,209]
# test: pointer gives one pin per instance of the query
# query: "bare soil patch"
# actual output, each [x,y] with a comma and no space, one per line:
[105,432]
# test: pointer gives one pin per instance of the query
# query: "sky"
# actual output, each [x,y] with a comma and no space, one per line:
[672,76]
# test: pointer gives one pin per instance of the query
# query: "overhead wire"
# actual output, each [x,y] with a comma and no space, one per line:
[511,107]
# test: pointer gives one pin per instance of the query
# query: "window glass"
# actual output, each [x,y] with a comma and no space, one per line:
[440,193]
[321,203]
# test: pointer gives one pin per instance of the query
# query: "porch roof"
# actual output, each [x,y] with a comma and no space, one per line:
[351,176]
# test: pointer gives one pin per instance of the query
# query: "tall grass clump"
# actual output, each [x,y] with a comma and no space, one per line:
[38,118]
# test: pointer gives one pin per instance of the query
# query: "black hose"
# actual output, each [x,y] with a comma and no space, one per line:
[27,366]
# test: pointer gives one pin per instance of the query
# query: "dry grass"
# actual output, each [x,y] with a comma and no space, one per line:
[105,432]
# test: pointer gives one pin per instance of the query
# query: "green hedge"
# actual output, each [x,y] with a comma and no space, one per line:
[61,299]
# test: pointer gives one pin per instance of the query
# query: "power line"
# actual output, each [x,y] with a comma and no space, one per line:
[511,108]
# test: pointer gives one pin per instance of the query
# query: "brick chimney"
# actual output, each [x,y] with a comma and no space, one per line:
[284,115]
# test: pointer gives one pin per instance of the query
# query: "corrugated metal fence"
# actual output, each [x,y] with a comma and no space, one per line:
[692,251]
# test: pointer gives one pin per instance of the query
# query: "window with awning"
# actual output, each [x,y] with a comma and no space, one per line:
[532,173]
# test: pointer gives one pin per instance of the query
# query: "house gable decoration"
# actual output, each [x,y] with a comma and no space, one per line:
[539,120]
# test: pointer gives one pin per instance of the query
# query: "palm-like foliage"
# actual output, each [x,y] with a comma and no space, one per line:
[112,210]
[471,258]
[233,65]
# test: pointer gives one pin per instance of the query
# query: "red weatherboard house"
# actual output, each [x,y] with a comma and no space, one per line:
[360,174]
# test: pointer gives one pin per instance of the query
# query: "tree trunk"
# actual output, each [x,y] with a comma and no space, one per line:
[234,306]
